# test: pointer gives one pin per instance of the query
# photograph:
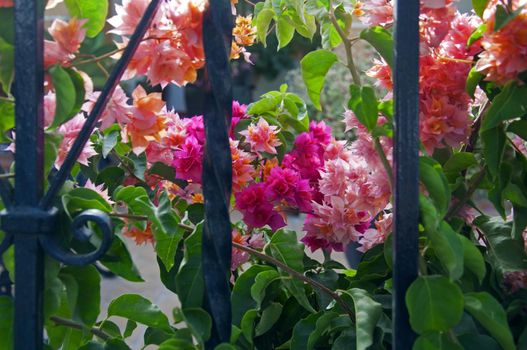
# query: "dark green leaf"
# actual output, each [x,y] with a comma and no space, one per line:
[303,330]
[7,61]
[7,119]
[472,258]
[315,65]
[322,325]
[493,148]
[459,162]
[434,304]
[80,199]
[285,247]
[519,127]
[88,280]
[66,95]
[368,312]
[432,176]
[435,341]
[261,282]
[491,315]
[270,315]
[118,260]
[189,279]
[473,79]
[510,103]
[109,141]
[199,322]
[130,327]
[6,322]
[479,6]
[136,308]
[448,248]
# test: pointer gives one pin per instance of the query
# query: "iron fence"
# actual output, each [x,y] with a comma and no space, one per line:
[30,218]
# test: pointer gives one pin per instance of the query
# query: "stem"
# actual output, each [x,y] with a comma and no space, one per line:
[129,216]
[126,166]
[59,321]
[7,176]
[100,58]
[347,47]
[473,187]
[298,275]
[384,160]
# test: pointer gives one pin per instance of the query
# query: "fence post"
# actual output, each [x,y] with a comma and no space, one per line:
[29,92]
[406,165]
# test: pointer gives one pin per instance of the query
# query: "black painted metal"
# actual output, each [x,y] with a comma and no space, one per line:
[406,169]
[217,168]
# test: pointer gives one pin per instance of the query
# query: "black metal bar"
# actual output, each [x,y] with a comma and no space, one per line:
[406,167]
[100,105]
[29,156]
[217,168]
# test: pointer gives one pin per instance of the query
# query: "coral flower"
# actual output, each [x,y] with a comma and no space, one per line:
[243,171]
[244,33]
[128,16]
[377,12]
[68,35]
[262,137]
[117,109]
[138,235]
[7,3]
[239,257]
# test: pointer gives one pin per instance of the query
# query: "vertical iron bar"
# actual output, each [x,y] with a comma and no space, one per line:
[29,92]
[406,171]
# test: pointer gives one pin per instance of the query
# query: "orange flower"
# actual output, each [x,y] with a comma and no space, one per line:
[268,166]
[68,35]
[244,33]
[140,236]
[197,198]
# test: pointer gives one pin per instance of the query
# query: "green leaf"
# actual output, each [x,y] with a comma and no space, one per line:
[448,248]
[7,24]
[111,177]
[493,148]
[519,127]
[88,280]
[284,246]
[506,253]
[365,105]
[189,279]
[80,199]
[7,61]
[270,315]
[262,22]
[247,324]
[477,34]
[261,282]
[491,315]
[322,326]
[94,10]
[118,260]
[459,162]
[479,6]
[473,79]
[504,16]
[199,322]
[7,119]
[6,322]
[381,40]
[284,31]
[315,65]
[164,171]
[66,95]
[432,176]
[510,103]
[165,227]
[176,344]
[138,309]
[434,304]
[303,330]
[241,292]
[109,141]
[368,313]
[435,341]
[129,329]
[480,341]
[473,259]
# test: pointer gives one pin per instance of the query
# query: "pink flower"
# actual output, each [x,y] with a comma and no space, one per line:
[377,12]
[188,160]
[117,109]
[238,256]
[382,73]
[286,185]
[372,237]
[55,54]
[335,178]
[100,189]
[127,16]
[69,131]
[7,3]
[49,108]
[239,112]
[455,43]
[68,36]
[262,137]
[256,209]
[320,132]
[196,128]
[171,64]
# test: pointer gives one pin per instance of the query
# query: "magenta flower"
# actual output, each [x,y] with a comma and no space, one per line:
[256,209]
[187,160]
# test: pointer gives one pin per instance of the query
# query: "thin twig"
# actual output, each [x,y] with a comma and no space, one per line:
[384,160]
[129,216]
[126,166]
[347,47]
[59,321]
[473,187]
[298,275]
[7,176]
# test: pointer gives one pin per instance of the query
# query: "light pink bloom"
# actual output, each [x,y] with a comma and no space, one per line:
[69,35]
[117,109]
[7,3]
[243,171]
[262,137]
[49,108]
[100,189]
[377,12]
[70,130]
[127,16]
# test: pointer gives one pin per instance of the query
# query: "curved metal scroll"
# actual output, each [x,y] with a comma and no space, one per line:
[82,232]
[217,167]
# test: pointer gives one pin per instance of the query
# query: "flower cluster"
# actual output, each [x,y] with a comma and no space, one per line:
[445,62]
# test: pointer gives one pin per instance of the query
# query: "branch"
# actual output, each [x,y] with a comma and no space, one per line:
[384,160]
[473,187]
[59,321]
[298,275]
